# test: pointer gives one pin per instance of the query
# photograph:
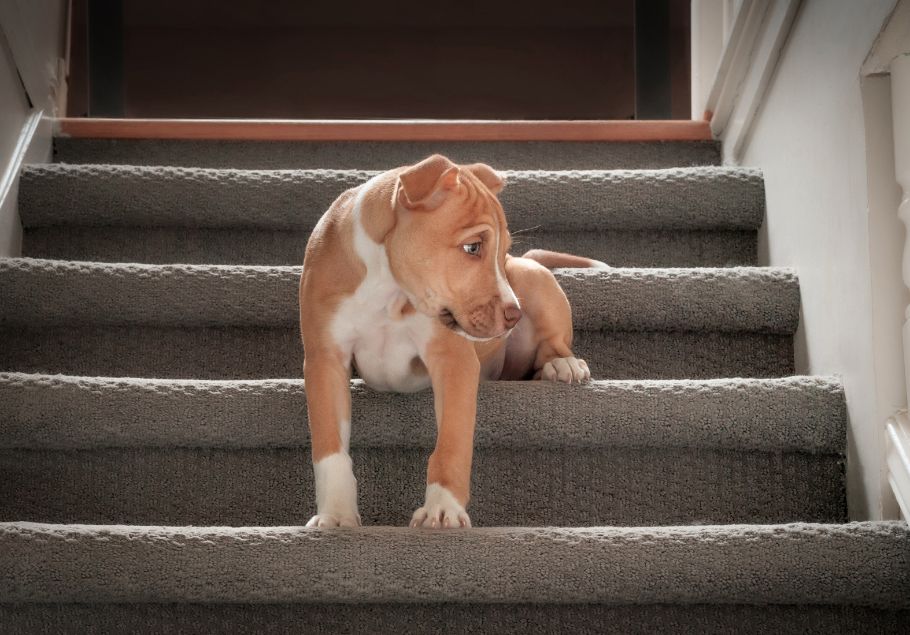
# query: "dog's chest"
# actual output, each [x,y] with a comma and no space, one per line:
[386,347]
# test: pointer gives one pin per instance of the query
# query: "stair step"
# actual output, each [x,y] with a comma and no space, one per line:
[859,564]
[126,195]
[684,216]
[87,449]
[61,292]
[790,414]
[213,322]
[281,247]
[383,155]
[452,618]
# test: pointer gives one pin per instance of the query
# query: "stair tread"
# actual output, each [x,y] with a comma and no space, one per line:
[864,563]
[697,198]
[801,414]
[385,154]
[41,292]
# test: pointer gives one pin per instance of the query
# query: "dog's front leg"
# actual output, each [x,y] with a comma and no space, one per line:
[328,394]
[455,373]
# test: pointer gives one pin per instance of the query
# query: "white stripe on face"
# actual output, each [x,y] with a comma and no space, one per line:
[505,290]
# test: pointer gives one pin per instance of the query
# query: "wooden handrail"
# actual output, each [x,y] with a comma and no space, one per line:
[384,130]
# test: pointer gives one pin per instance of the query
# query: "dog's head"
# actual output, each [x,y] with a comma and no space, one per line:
[448,249]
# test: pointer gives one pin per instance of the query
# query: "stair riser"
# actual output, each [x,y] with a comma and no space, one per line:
[866,564]
[256,353]
[565,487]
[62,293]
[517,619]
[265,247]
[699,199]
[794,414]
[546,155]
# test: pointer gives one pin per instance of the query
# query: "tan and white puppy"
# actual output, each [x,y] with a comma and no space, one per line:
[408,277]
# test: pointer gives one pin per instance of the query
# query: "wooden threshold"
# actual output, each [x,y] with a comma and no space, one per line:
[383,130]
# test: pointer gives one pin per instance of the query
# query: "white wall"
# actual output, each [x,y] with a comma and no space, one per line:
[31,43]
[809,137]
[708,30]
[14,110]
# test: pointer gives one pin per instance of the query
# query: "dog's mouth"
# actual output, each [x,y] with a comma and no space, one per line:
[449,321]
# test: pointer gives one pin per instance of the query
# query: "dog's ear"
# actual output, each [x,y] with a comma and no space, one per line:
[488,176]
[426,185]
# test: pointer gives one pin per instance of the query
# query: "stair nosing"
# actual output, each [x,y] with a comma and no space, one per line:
[41,292]
[294,199]
[805,414]
[796,563]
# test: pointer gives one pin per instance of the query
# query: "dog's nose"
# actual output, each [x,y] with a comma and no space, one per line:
[511,314]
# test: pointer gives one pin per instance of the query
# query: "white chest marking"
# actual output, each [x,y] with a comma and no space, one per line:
[368,325]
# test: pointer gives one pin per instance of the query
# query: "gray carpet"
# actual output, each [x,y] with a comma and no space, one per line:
[60,412]
[153,421]
[212,321]
[529,487]
[246,246]
[628,453]
[511,619]
[578,200]
[705,216]
[261,353]
[734,564]
[378,155]
[58,292]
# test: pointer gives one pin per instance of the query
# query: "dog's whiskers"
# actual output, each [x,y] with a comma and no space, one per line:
[526,229]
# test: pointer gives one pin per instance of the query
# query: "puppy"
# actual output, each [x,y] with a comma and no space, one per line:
[408,279]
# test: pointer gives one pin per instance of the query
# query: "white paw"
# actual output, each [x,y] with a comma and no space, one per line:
[440,511]
[566,369]
[336,493]
[325,521]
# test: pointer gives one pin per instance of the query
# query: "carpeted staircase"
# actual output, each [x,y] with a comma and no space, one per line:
[154,468]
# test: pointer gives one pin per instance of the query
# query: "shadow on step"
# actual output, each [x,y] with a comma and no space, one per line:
[255,353]
[451,618]
[250,246]
[564,487]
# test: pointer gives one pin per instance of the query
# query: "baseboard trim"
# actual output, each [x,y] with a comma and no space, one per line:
[748,62]
[383,130]
[897,431]
[25,151]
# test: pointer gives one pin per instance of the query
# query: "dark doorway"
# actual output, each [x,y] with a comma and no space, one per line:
[359,59]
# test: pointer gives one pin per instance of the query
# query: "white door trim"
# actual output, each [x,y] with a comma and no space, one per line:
[758,33]
[897,459]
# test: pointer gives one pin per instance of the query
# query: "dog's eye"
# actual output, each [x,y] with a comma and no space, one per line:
[472,249]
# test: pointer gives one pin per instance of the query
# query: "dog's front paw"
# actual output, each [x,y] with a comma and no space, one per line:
[566,369]
[440,511]
[326,521]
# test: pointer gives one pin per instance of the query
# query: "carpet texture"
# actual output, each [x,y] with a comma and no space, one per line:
[517,619]
[580,200]
[792,414]
[248,246]
[93,450]
[793,564]
[705,216]
[219,321]
[384,155]
[58,292]
[262,353]
[155,470]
